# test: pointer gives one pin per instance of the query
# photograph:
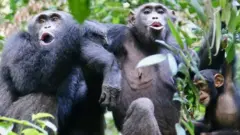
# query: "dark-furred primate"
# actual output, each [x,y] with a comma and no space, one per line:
[219,94]
[49,64]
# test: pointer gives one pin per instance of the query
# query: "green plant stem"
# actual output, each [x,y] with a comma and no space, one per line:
[25,123]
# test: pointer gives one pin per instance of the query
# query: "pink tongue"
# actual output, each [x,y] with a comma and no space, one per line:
[44,35]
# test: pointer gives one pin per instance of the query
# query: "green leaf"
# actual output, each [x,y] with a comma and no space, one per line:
[226,14]
[233,21]
[179,129]
[230,51]
[199,10]
[31,131]
[80,9]
[47,123]
[223,3]
[41,115]
[151,60]
[218,31]
[172,64]
[175,33]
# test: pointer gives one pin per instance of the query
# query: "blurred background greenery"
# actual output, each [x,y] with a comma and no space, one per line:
[192,21]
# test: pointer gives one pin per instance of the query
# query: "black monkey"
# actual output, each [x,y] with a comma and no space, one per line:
[49,60]
[220,96]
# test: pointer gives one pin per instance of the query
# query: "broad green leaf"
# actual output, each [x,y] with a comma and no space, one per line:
[41,115]
[218,32]
[175,33]
[151,60]
[12,133]
[172,64]
[179,129]
[5,128]
[187,37]
[199,10]
[80,9]
[233,21]
[226,14]
[223,3]
[48,124]
[31,131]
[230,51]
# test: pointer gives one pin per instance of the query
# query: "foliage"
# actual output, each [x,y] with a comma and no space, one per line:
[38,127]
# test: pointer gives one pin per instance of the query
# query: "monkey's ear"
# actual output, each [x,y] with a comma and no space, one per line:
[131,17]
[218,80]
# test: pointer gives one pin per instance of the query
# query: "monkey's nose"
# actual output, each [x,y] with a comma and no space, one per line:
[47,27]
[154,17]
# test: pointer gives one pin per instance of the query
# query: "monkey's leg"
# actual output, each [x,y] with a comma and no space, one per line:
[140,119]
[25,106]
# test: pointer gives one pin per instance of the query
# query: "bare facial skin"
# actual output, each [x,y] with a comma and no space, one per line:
[151,19]
[204,91]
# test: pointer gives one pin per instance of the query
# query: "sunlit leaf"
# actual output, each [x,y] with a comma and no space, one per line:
[218,32]
[80,9]
[172,63]
[31,131]
[41,115]
[233,21]
[151,60]
[48,124]
[5,127]
[179,129]
[223,3]
[199,10]
[175,33]
[226,14]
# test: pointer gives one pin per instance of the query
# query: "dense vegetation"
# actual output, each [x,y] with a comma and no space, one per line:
[194,19]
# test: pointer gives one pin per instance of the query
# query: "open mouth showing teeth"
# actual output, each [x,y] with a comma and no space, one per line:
[46,38]
[156,25]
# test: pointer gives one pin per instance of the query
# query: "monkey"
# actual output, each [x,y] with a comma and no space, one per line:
[55,67]
[220,96]
[144,104]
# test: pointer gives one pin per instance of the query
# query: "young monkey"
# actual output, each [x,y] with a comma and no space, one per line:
[219,94]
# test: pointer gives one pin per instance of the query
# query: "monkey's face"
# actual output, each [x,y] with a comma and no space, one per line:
[204,91]
[208,88]
[151,19]
[48,26]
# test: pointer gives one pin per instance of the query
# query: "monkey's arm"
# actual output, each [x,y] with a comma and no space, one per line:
[98,58]
[216,61]
[12,51]
[5,97]
[72,94]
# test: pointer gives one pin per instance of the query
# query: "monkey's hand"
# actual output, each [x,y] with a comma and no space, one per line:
[110,89]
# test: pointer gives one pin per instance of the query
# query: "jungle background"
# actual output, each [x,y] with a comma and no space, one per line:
[193,21]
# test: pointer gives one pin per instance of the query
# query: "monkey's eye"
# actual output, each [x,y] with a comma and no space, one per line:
[41,20]
[147,11]
[54,18]
[160,10]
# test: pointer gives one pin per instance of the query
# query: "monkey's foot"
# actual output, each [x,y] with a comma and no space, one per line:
[109,96]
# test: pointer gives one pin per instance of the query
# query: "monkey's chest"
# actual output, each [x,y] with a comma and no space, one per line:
[140,78]
[226,110]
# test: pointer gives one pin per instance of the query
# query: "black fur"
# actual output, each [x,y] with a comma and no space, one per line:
[66,76]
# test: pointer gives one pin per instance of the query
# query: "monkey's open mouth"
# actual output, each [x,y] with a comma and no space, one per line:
[46,38]
[203,98]
[156,26]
